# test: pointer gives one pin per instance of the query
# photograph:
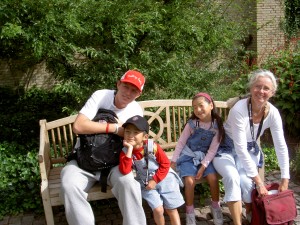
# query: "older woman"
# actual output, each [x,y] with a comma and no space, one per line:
[240,156]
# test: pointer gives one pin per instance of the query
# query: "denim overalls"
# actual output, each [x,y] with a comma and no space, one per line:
[167,191]
[142,175]
[195,150]
[141,171]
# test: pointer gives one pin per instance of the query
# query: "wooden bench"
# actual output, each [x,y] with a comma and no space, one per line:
[165,117]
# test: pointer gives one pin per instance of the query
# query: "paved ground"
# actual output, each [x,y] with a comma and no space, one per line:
[108,213]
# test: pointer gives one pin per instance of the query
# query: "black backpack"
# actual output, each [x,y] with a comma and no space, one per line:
[99,152]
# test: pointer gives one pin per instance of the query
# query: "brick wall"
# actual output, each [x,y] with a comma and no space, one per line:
[264,39]
[12,75]
[269,37]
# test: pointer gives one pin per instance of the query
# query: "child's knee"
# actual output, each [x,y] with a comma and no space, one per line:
[212,178]
[159,211]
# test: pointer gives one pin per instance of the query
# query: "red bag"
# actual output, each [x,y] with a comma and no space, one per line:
[279,208]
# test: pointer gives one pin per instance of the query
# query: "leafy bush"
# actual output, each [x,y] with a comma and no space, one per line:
[20,179]
[270,158]
[295,163]
[292,17]
[19,141]
[286,65]
[21,112]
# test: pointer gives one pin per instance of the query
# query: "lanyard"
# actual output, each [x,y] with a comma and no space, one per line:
[251,122]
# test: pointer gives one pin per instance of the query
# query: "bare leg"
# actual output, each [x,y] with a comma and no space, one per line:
[158,214]
[189,187]
[174,216]
[235,209]
[213,182]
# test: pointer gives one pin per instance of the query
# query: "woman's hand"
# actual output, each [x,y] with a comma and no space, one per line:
[284,185]
[262,190]
[260,186]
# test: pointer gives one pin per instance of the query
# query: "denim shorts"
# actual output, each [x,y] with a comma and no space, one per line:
[166,193]
[187,168]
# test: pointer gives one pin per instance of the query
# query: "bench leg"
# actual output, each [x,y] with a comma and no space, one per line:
[47,204]
[49,215]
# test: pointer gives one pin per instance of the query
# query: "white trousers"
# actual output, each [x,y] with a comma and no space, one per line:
[238,186]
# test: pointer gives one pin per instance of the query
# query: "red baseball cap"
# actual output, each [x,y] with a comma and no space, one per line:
[134,77]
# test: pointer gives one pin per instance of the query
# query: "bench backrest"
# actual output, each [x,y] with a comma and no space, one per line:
[166,119]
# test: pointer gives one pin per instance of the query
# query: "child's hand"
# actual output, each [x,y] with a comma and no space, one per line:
[173,165]
[151,185]
[200,173]
[129,148]
[127,144]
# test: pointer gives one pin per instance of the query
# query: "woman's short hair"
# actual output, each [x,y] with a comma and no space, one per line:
[253,77]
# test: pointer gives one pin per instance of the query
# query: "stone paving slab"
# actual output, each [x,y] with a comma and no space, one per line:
[107,211]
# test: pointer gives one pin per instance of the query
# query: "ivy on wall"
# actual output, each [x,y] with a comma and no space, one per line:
[292,17]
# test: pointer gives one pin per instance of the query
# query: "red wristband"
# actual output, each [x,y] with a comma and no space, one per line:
[107,127]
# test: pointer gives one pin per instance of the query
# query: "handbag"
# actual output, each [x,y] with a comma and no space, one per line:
[279,208]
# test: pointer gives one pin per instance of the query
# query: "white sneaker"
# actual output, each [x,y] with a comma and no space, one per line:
[190,219]
[217,215]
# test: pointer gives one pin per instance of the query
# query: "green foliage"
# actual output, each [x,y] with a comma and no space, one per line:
[89,44]
[286,65]
[270,158]
[20,179]
[295,163]
[203,190]
[21,112]
[292,17]
[19,139]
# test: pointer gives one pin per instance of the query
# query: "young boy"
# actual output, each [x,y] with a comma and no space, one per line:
[159,182]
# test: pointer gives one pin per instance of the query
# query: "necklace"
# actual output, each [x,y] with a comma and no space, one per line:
[261,109]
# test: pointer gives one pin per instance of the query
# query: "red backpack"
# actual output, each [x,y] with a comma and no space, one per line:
[279,208]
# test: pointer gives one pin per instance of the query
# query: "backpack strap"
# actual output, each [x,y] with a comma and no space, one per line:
[103,179]
[148,148]
[192,125]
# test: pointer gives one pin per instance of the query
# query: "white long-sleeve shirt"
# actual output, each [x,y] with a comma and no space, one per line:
[237,127]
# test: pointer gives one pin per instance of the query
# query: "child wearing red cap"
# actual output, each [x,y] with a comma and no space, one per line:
[194,152]
[159,183]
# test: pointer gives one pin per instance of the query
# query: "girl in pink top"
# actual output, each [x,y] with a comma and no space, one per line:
[196,148]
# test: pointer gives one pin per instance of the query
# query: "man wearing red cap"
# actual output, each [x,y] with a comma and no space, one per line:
[76,182]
